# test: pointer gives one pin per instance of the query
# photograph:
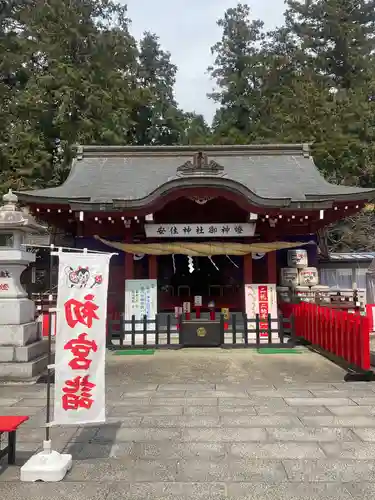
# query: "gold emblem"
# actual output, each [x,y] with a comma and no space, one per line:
[201,332]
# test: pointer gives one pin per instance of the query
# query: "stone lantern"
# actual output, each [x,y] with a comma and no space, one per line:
[22,352]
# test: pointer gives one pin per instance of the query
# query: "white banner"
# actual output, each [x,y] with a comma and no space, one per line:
[262,300]
[141,298]
[81,338]
[224,230]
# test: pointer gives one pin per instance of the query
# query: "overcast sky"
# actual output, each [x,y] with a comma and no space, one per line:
[187,29]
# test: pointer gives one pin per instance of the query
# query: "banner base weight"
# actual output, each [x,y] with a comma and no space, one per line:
[48,466]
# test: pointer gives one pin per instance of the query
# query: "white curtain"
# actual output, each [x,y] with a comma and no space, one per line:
[336,278]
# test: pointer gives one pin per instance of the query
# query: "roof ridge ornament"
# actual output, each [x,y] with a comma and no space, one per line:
[200,166]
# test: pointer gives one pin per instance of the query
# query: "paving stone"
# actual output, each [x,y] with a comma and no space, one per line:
[298,411]
[319,401]
[185,421]
[132,386]
[365,434]
[369,401]
[105,469]
[305,434]
[235,402]
[60,491]
[288,491]
[148,410]
[244,387]
[20,410]
[124,421]
[230,394]
[160,393]
[199,469]
[90,451]
[186,387]
[330,470]
[37,435]
[260,421]
[30,402]
[344,393]
[270,471]
[276,450]
[354,386]
[123,400]
[5,402]
[163,490]
[281,393]
[106,434]
[344,411]
[325,421]
[362,491]
[347,451]
[174,450]
[183,401]
[224,435]
[201,411]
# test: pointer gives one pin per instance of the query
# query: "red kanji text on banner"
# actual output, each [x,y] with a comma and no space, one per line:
[81,338]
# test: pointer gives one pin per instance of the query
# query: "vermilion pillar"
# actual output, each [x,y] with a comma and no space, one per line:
[129,266]
[248,269]
[271,267]
[152,267]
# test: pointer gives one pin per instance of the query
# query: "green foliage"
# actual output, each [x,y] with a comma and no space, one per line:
[71,72]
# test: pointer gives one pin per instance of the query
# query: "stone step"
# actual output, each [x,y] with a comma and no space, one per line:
[14,372]
[9,354]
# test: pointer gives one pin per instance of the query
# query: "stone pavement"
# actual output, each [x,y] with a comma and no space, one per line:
[210,424]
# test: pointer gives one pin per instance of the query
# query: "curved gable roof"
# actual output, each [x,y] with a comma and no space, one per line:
[266,174]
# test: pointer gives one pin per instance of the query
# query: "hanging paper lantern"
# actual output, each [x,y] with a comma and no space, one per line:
[258,255]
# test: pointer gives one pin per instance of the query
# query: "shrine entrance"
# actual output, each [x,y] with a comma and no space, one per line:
[218,278]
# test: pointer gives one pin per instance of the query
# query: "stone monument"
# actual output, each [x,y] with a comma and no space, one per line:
[23,354]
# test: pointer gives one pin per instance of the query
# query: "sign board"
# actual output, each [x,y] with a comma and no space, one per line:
[262,300]
[186,307]
[198,300]
[81,338]
[200,230]
[140,300]
[177,311]
[225,312]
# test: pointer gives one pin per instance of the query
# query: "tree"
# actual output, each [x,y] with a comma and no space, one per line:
[196,129]
[157,118]
[238,72]
[79,83]
[335,37]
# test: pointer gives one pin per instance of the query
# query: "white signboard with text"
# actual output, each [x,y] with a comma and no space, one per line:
[81,338]
[223,230]
[141,298]
[261,299]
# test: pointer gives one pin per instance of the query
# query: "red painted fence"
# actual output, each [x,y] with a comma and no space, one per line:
[343,334]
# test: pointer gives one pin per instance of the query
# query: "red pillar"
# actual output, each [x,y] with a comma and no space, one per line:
[248,269]
[152,267]
[129,266]
[271,267]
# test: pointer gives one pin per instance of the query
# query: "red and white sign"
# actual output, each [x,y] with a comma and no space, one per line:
[80,338]
[262,300]
[4,287]
[198,300]
[370,313]
[186,307]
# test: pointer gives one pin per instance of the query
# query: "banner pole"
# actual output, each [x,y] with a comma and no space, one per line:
[47,443]
[48,409]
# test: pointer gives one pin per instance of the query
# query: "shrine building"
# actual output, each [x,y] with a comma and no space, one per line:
[200,220]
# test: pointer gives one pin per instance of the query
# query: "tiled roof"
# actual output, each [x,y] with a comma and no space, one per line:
[266,174]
